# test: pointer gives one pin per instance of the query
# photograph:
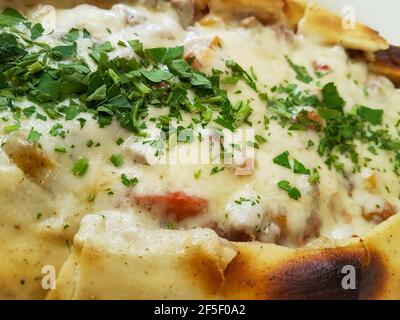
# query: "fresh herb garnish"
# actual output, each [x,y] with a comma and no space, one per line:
[292,192]
[60,149]
[216,170]
[117,160]
[299,168]
[80,167]
[34,136]
[129,182]
[301,72]
[283,160]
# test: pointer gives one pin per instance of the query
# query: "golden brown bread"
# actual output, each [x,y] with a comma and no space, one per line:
[387,63]
[264,271]
[308,19]
[211,269]
[381,279]
[327,26]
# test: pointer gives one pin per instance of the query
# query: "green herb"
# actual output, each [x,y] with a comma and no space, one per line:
[64,52]
[314,177]
[372,149]
[301,72]
[293,192]
[373,116]
[283,160]
[91,197]
[299,168]
[331,98]
[109,191]
[60,149]
[216,170]
[34,136]
[197,174]
[80,167]
[29,111]
[72,35]
[253,144]
[57,130]
[11,128]
[157,75]
[129,182]
[36,31]
[239,73]
[120,141]
[260,139]
[117,160]
[11,17]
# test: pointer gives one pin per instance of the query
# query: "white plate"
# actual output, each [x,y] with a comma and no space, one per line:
[381,15]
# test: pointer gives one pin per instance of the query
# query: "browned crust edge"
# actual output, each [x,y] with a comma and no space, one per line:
[387,63]
[305,275]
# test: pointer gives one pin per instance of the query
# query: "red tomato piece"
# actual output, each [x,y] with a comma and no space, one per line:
[176,205]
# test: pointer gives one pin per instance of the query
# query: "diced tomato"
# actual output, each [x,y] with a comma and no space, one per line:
[320,67]
[191,57]
[315,118]
[176,205]
[312,116]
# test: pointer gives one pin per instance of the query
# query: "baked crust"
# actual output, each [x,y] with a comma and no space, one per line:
[387,63]
[308,19]
[262,271]
[328,27]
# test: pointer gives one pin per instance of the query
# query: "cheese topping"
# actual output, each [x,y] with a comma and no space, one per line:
[321,153]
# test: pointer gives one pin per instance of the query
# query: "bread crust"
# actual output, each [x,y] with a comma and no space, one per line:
[387,63]
[328,27]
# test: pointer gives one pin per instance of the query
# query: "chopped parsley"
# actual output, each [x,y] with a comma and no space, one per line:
[80,167]
[299,168]
[331,98]
[60,149]
[197,174]
[373,116]
[239,73]
[34,136]
[340,132]
[283,160]
[63,83]
[91,197]
[292,192]
[216,170]
[314,177]
[117,160]
[36,31]
[119,141]
[301,72]
[260,139]
[11,128]
[129,182]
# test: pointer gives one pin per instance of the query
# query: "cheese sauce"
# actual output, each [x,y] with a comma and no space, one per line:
[240,207]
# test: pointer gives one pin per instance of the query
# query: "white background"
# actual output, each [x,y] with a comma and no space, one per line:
[381,15]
